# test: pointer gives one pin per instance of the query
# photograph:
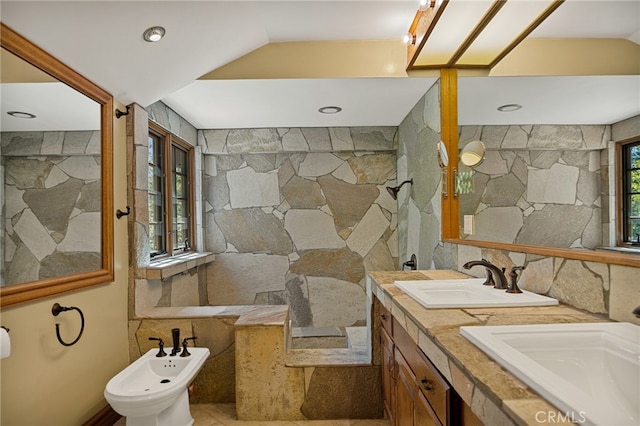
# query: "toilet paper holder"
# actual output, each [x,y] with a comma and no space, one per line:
[56,309]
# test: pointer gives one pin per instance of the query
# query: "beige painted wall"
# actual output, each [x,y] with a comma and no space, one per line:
[45,383]
[552,56]
[318,59]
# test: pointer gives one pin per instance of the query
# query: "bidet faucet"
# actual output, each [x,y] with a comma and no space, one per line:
[494,272]
[185,343]
[175,334]
[161,351]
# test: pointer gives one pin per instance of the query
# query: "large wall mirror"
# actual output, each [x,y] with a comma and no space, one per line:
[547,181]
[56,229]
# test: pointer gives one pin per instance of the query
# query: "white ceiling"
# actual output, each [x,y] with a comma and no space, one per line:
[102,40]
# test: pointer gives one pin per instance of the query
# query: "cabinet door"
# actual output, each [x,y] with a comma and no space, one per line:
[388,382]
[434,387]
[406,390]
[424,414]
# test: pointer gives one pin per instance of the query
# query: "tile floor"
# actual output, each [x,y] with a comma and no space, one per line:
[225,415]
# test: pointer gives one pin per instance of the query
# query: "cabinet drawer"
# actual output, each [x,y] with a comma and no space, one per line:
[433,386]
[386,320]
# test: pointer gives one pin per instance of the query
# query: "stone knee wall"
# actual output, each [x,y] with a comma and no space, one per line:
[217,380]
[248,365]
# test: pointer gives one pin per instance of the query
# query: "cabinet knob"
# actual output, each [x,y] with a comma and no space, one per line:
[426,384]
[384,317]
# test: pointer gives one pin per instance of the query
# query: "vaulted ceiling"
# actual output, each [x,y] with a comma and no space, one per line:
[274,63]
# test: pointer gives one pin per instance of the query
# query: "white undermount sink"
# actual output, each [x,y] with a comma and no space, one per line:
[468,293]
[589,371]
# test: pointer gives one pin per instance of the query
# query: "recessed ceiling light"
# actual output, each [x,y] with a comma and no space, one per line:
[21,114]
[153,34]
[330,109]
[509,107]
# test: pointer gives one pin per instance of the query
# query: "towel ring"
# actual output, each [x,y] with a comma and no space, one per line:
[56,309]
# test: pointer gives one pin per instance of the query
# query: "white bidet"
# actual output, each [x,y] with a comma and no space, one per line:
[152,391]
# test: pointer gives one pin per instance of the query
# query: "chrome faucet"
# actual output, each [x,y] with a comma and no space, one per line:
[493,273]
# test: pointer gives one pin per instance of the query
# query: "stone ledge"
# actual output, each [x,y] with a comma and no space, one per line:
[169,266]
[328,357]
[246,315]
[630,249]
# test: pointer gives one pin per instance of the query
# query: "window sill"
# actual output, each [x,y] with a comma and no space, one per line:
[169,266]
[630,249]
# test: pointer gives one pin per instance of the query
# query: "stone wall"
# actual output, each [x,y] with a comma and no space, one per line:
[296,216]
[419,206]
[187,289]
[51,204]
[531,176]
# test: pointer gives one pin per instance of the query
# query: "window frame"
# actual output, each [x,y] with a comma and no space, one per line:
[169,141]
[622,172]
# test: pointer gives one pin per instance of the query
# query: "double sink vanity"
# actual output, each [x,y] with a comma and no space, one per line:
[457,352]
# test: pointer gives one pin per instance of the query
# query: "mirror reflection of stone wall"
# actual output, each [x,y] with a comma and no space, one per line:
[300,226]
[540,185]
[51,204]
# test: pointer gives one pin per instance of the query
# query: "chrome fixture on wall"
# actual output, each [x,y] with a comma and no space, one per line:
[393,190]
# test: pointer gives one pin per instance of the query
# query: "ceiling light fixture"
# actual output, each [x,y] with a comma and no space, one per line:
[330,109]
[21,114]
[424,4]
[408,39]
[153,34]
[509,107]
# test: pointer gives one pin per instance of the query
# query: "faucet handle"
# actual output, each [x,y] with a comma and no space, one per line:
[185,343]
[513,285]
[161,351]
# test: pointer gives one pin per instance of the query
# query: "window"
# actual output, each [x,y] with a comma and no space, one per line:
[629,156]
[170,175]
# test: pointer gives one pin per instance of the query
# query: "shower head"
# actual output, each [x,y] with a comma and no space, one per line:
[393,190]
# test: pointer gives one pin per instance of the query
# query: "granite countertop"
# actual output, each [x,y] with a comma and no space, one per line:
[494,395]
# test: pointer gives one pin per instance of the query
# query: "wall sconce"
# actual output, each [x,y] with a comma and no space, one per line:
[472,154]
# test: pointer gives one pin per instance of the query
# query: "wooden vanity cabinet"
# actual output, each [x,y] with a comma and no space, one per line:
[388,371]
[414,391]
[406,391]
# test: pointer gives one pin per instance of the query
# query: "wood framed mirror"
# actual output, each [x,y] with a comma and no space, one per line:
[452,205]
[58,235]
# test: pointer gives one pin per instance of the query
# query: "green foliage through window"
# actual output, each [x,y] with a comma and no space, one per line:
[631,192]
